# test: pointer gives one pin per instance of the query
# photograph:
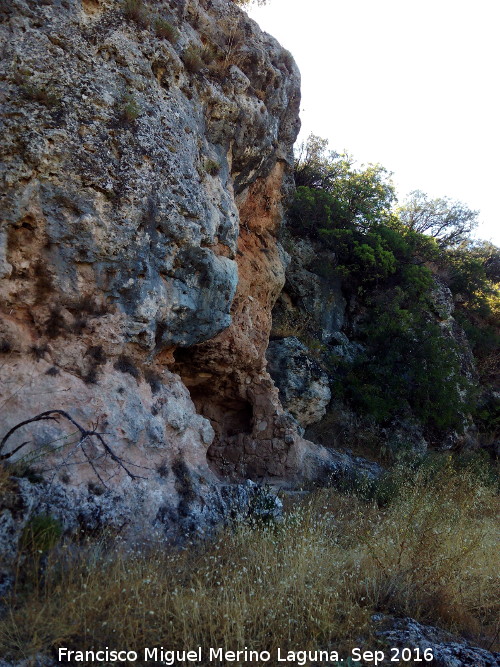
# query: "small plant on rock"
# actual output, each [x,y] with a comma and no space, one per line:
[166,30]
[212,167]
[192,59]
[208,54]
[41,93]
[246,3]
[126,365]
[130,110]
[135,10]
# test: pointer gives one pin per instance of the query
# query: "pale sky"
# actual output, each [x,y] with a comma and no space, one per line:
[413,85]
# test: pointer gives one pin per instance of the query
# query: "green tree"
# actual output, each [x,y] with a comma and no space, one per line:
[409,365]
[357,197]
[449,222]
[387,259]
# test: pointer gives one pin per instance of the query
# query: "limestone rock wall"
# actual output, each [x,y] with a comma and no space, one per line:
[145,157]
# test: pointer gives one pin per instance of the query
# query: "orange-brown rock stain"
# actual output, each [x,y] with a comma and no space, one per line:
[227,376]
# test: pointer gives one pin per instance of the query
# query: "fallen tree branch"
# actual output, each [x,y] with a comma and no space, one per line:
[54,415]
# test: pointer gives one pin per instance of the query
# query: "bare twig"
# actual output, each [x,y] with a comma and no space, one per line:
[85,435]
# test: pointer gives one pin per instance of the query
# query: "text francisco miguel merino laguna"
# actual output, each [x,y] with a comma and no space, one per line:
[220,655]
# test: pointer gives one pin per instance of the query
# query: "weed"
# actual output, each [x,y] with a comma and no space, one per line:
[166,30]
[212,167]
[5,480]
[40,534]
[136,10]
[192,59]
[22,468]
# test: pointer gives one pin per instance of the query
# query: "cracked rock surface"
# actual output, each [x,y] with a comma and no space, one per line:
[142,184]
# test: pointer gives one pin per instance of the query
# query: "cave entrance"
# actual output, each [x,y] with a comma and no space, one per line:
[229,416]
[216,395]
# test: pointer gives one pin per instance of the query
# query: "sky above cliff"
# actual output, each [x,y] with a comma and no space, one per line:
[411,85]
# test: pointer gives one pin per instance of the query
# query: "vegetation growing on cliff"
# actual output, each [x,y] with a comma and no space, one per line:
[394,264]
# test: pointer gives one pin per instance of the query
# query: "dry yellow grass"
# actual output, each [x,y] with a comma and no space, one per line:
[5,481]
[310,582]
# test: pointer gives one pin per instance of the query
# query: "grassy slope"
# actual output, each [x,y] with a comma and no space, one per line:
[311,582]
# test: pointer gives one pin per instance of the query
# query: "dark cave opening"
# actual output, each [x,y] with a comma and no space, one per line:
[215,394]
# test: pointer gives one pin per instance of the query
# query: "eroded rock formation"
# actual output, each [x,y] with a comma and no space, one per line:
[303,385]
[145,160]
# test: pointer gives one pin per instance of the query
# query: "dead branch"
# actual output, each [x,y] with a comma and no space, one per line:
[85,435]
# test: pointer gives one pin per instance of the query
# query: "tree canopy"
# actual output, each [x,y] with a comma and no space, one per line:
[341,195]
[449,222]
[391,260]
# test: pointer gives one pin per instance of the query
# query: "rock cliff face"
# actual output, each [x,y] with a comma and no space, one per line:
[146,153]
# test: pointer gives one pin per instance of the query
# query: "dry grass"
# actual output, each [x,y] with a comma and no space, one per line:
[165,30]
[192,59]
[312,581]
[136,10]
[6,484]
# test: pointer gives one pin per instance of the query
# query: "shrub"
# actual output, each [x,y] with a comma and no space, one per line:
[136,10]
[130,109]
[408,364]
[166,30]
[192,59]
[360,197]
[449,222]
[310,211]
[212,167]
